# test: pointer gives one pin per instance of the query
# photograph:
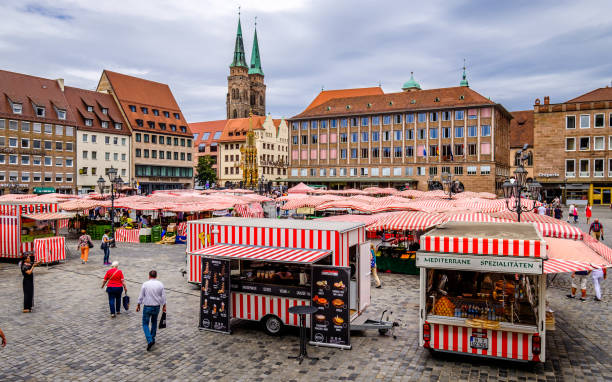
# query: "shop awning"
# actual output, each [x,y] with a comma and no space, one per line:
[252,252]
[48,216]
[572,255]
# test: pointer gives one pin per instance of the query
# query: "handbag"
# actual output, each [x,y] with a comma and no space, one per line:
[126,302]
[162,321]
[90,244]
[104,245]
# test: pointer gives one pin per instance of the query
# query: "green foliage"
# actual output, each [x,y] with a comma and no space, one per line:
[205,171]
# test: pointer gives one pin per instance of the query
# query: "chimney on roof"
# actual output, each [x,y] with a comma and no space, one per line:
[60,83]
[546,100]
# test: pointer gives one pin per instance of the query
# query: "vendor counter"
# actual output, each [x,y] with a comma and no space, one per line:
[396,260]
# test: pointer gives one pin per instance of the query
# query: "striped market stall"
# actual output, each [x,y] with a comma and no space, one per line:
[276,264]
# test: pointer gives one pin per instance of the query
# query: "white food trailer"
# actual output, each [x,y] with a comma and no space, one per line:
[483,290]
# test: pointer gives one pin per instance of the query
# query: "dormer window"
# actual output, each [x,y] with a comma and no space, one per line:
[61,114]
[105,124]
[162,126]
[145,110]
[17,108]
[173,127]
[183,129]
[151,124]
[132,108]
[88,122]
[155,112]
[104,110]
[177,116]
[40,111]
[117,125]
[166,114]
[139,122]
[90,108]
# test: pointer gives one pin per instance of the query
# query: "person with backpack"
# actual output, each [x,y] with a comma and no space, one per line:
[596,230]
[84,245]
[115,285]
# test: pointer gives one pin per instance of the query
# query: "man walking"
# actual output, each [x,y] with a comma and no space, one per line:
[152,296]
[599,275]
[596,230]
[582,279]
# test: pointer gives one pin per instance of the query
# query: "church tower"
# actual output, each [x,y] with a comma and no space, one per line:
[238,82]
[257,97]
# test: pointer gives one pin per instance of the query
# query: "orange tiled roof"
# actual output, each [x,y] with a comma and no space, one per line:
[210,127]
[25,89]
[459,96]
[521,128]
[601,94]
[326,95]
[79,99]
[151,95]
[235,129]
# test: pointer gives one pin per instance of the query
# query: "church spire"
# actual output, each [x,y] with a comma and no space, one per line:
[255,59]
[239,57]
[464,81]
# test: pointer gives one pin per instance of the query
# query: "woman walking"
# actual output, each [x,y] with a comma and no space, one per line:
[27,269]
[373,266]
[115,285]
[588,213]
[84,245]
[106,241]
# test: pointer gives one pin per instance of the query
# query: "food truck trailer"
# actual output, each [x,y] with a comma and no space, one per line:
[255,269]
[27,227]
[483,290]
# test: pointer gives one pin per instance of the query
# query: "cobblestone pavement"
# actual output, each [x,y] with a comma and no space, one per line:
[70,335]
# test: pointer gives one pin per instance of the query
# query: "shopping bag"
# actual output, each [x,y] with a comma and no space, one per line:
[126,302]
[162,321]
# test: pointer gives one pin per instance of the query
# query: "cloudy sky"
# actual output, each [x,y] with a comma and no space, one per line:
[515,51]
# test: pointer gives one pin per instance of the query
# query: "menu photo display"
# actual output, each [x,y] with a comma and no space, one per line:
[215,304]
[330,295]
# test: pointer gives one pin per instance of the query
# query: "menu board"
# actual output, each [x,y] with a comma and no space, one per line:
[215,302]
[330,325]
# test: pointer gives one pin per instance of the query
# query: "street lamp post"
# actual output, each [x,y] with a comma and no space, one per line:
[115,184]
[448,183]
[514,187]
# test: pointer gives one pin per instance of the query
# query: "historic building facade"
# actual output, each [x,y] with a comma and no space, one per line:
[103,138]
[271,142]
[161,140]
[246,90]
[402,139]
[572,147]
[37,135]
[206,137]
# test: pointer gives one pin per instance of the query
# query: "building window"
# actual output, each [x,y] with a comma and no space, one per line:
[12,159]
[409,171]
[13,142]
[472,114]
[386,136]
[485,131]
[459,115]
[433,171]
[421,171]
[343,137]
[409,151]
[375,136]
[599,121]
[364,136]
[354,137]
[446,132]
[570,121]
[69,131]
[410,118]
[610,167]
[471,149]
[138,153]
[459,132]
[585,143]
[17,108]
[585,121]
[570,143]
[25,159]
[386,152]
[421,134]
[585,170]
[375,120]
[40,111]
[471,170]
[485,148]
[458,170]
[433,116]
[397,152]
[36,127]
[25,126]
[364,153]
[433,133]
[25,143]
[25,176]
[375,152]
[433,150]
[386,119]
[410,134]
[598,168]
[485,170]
[386,171]
[422,117]
[397,135]
[342,153]
[59,161]
[36,177]
[472,131]
[599,143]
[397,118]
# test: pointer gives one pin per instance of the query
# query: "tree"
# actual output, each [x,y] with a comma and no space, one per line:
[205,171]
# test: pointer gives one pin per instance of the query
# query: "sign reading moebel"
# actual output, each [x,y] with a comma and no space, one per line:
[480,263]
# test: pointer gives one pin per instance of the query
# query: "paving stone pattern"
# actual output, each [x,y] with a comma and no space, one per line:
[70,335]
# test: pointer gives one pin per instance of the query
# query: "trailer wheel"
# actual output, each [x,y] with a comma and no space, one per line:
[272,325]
[382,332]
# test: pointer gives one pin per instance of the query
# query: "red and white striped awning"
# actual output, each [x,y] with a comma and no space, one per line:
[47,216]
[408,221]
[573,255]
[252,252]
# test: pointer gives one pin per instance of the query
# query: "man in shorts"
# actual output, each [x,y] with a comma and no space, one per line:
[582,277]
